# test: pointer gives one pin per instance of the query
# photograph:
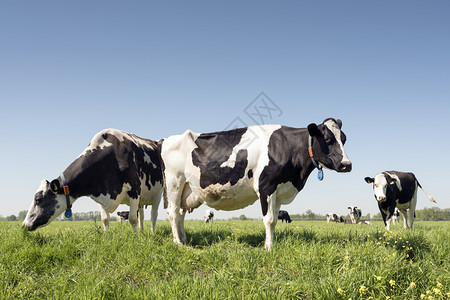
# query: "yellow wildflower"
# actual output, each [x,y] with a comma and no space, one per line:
[363,289]
[392,283]
[341,291]
[439,285]
[412,285]
[437,291]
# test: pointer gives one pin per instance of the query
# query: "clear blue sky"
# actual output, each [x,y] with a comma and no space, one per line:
[69,69]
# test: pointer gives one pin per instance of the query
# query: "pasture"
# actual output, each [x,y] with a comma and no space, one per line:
[225,260]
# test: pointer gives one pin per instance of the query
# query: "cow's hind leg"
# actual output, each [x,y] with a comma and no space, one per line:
[176,214]
[133,215]
[405,218]
[154,216]
[104,215]
[412,209]
[141,218]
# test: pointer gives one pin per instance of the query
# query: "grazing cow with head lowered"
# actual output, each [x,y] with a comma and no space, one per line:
[284,216]
[230,170]
[209,215]
[355,214]
[396,189]
[335,217]
[117,167]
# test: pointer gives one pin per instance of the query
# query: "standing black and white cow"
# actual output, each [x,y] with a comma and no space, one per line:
[355,214]
[396,189]
[284,216]
[209,216]
[117,167]
[230,170]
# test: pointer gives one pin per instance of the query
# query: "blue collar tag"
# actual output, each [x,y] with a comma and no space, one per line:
[320,175]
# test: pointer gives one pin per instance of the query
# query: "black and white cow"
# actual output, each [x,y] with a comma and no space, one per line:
[209,215]
[123,214]
[395,216]
[355,214]
[284,216]
[230,170]
[335,218]
[396,189]
[117,167]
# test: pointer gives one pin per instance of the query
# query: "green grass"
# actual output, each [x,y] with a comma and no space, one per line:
[225,260]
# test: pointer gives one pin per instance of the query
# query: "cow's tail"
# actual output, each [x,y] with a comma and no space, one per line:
[163,167]
[428,195]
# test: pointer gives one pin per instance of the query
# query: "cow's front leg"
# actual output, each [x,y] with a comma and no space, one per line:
[270,220]
[133,215]
[104,216]
[176,215]
[141,218]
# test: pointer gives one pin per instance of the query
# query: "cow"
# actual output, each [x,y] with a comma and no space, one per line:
[335,217]
[284,216]
[396,189]
[116,167]
[209,215]
[123,214]
[355,214]
[229,170]
[395,216]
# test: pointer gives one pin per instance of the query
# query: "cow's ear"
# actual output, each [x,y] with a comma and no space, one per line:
[369,180]
[339,123]
[54,186]
[313,129]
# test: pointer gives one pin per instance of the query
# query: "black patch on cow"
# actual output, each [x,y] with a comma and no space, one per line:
[250,174]
[105,170]
[288,162]
[213,149]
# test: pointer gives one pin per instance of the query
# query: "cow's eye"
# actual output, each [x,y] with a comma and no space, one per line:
[376,185]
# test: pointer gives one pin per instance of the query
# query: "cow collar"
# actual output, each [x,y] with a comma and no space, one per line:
[316,165]
[68,212]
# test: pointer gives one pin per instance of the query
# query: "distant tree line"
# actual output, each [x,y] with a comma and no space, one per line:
[82,216]
[426,214]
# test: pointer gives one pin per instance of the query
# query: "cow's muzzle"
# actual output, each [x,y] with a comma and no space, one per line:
[346,166]
[381,198]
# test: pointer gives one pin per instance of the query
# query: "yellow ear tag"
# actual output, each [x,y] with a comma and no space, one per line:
[392,182]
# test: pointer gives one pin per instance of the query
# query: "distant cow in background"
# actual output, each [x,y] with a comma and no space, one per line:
[284,216]
[335,217]
[209,215]
[395,216]
[123,214]
[355,214]
[396,189]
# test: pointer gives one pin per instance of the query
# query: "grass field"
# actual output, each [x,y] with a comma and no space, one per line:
[225,260]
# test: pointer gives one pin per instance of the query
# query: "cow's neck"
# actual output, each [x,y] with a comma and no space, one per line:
[80,175]
[302,161]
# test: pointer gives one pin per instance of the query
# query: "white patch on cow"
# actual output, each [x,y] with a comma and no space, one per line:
[380,186]
[337,134]
[109,204]
[397,180]
[286,193]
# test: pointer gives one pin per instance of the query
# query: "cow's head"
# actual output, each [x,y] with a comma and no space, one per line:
[328,145]
[49,202]
[381,183]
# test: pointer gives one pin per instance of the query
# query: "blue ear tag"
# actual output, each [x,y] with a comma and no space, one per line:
[68,214]
[320,175]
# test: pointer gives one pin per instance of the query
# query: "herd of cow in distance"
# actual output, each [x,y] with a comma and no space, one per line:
[226,170]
